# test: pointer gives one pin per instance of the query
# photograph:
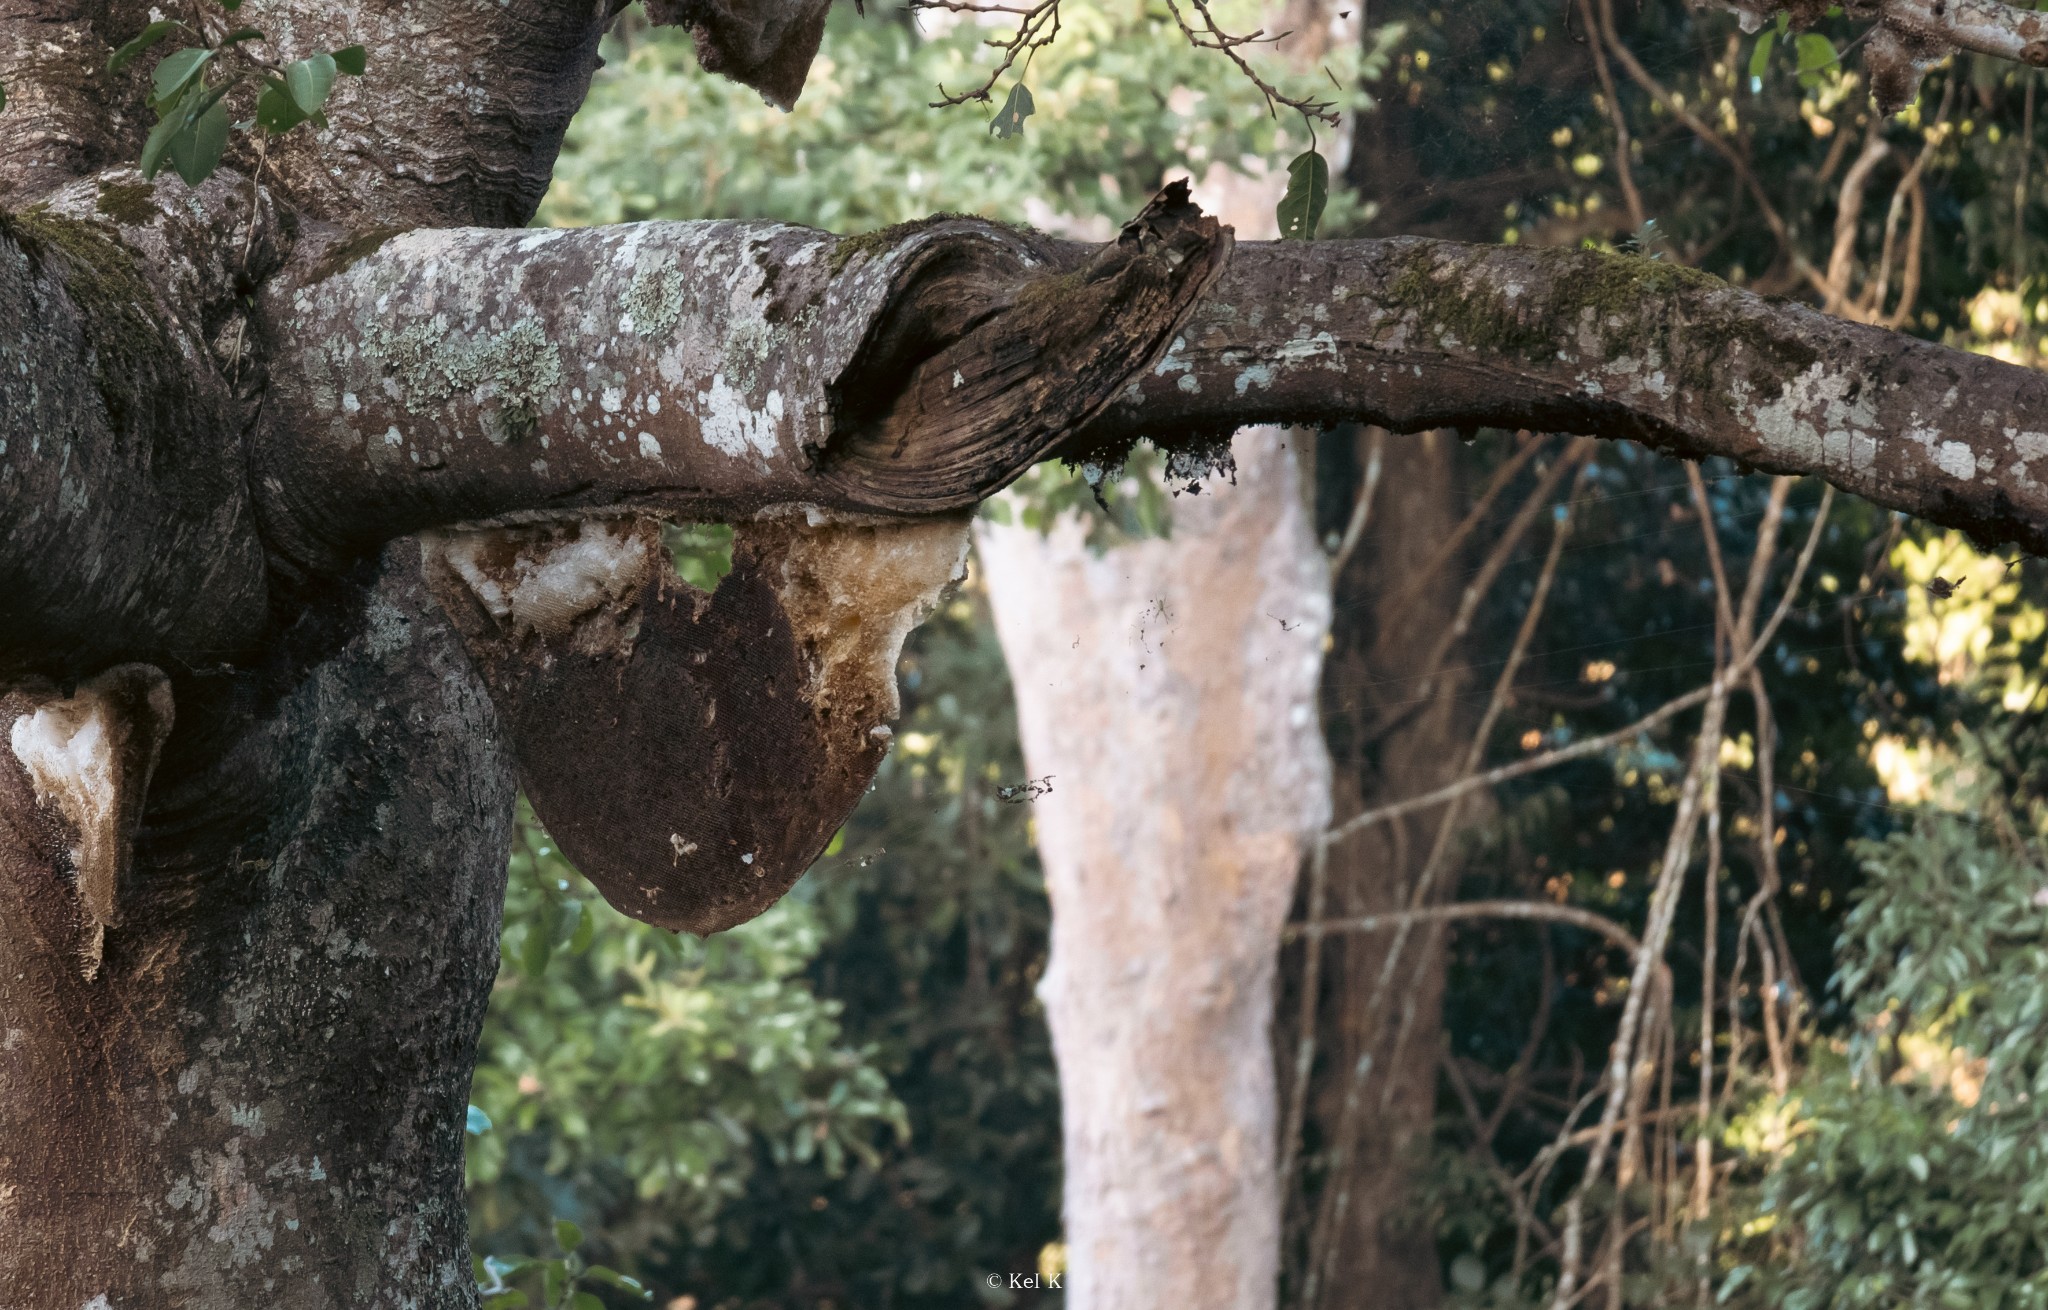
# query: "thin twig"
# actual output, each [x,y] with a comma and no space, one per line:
[1535,911]
[1622,169]
[1699,789]
[1361,509]
[1591,745]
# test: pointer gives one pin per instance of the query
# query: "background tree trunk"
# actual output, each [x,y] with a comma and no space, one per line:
[1357,1217]
[1168,687]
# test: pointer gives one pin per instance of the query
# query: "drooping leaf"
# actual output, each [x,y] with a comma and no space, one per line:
[138,43]
[1760,58]
[1308,193]
[174,121]
[351,59]
[585,934]
[1009,120]
[310,80]
[197,152]
[175,72]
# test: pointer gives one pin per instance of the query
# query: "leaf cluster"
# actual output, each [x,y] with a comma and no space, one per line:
[190,86]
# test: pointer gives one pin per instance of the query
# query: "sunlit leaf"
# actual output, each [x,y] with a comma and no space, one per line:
[1760,58]
[613,1278]
[311,80]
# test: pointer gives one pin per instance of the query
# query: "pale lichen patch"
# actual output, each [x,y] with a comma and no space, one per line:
[1956,459]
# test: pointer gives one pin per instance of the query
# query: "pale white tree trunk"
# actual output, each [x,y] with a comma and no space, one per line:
[1169,689]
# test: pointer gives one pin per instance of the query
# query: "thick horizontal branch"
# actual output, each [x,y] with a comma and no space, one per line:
[1414,334]
[708,370]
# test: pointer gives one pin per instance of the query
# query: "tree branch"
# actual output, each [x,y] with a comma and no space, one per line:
[715,371]
[1413,334]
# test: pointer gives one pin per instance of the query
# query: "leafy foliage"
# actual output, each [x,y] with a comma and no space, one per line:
[861,150]
[1912,1160]
[623,1062]
[190,87]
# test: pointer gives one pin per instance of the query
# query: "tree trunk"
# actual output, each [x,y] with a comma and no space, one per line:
[1169,688]
[251,1092]
[1360,1219]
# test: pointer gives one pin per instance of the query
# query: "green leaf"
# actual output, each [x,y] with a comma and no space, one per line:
[624,1283]
[174,72]
[351,59]
[196,153]
[276,112]
[310,80]
[1308,192]
[180,121]
[554,1280]
[512,1300]
[540,943]
[1009,120]
[1760,58]
[3,95]
[586,932]
[138,43]
[585,1301]
[240,35]
[477,1123]
[1918,1164]
[1816,52]
[568,921]
[231,5]
[567,1235]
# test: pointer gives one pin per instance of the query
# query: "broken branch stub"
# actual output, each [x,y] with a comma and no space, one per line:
[692,754]
[88,757]
[1021,362]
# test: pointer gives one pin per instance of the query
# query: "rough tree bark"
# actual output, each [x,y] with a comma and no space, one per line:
[1171,686]
[232,1062]
[1383,745]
